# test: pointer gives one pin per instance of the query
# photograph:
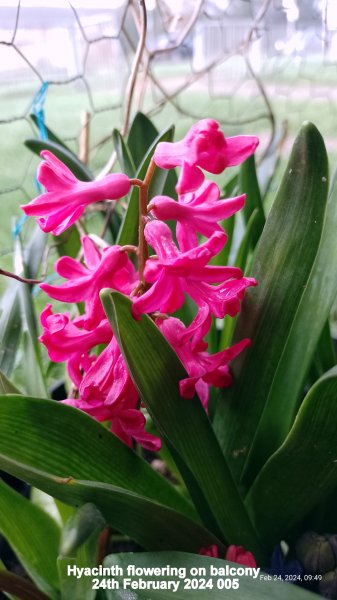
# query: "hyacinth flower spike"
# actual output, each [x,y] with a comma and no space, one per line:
[66,197]
[203,147]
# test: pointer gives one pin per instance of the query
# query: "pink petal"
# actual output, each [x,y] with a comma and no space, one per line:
[190,178]
[239,148]
[92,256]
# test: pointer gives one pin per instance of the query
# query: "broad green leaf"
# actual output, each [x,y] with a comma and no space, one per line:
[6,387]
[156,371]
[285,302]
[303,470]
[249,185]
[129,229]
[79,169]
[123,154]
[33,536]
[250,587]
[151,524]
[141,136]
[65,442]
[313,310]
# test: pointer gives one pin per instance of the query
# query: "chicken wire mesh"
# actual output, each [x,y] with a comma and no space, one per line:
[85,67]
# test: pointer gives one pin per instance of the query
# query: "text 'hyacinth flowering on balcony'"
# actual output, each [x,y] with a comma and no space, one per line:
[157,285]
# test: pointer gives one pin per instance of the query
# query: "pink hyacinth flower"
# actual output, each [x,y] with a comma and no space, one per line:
[203,147]
[175,273]
[238,554]
[107,393]
[129,424]
[66,197]
[212,551]
[196,212]
[111,269]
[63,338]
[203,369]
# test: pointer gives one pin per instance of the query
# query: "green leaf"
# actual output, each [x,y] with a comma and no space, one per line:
[141,136]
[156,371]
[129,229]
[291,302]
[86,521]
[33,536]
[6,387]
[52,137]
[34,378]
[249,587]
[79,545]
[78,168]
[123,154]
[10,327]
[303,470]
[10,320]
[65,442]
[68,243]
[151,524]
[325,355]
[249,185]
[34,251]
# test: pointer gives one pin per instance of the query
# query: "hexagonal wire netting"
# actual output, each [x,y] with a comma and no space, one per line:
[82,66]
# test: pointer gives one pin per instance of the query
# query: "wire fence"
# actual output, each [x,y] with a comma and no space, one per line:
[85,68]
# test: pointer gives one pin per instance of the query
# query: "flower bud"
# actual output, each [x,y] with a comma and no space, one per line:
[315,553]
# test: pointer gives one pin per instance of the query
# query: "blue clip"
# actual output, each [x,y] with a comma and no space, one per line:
[38,109]
[18,226]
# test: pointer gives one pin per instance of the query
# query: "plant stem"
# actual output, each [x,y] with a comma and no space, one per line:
[143,253]
[18,278]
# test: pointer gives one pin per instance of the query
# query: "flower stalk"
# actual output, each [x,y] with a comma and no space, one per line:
[143,253]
